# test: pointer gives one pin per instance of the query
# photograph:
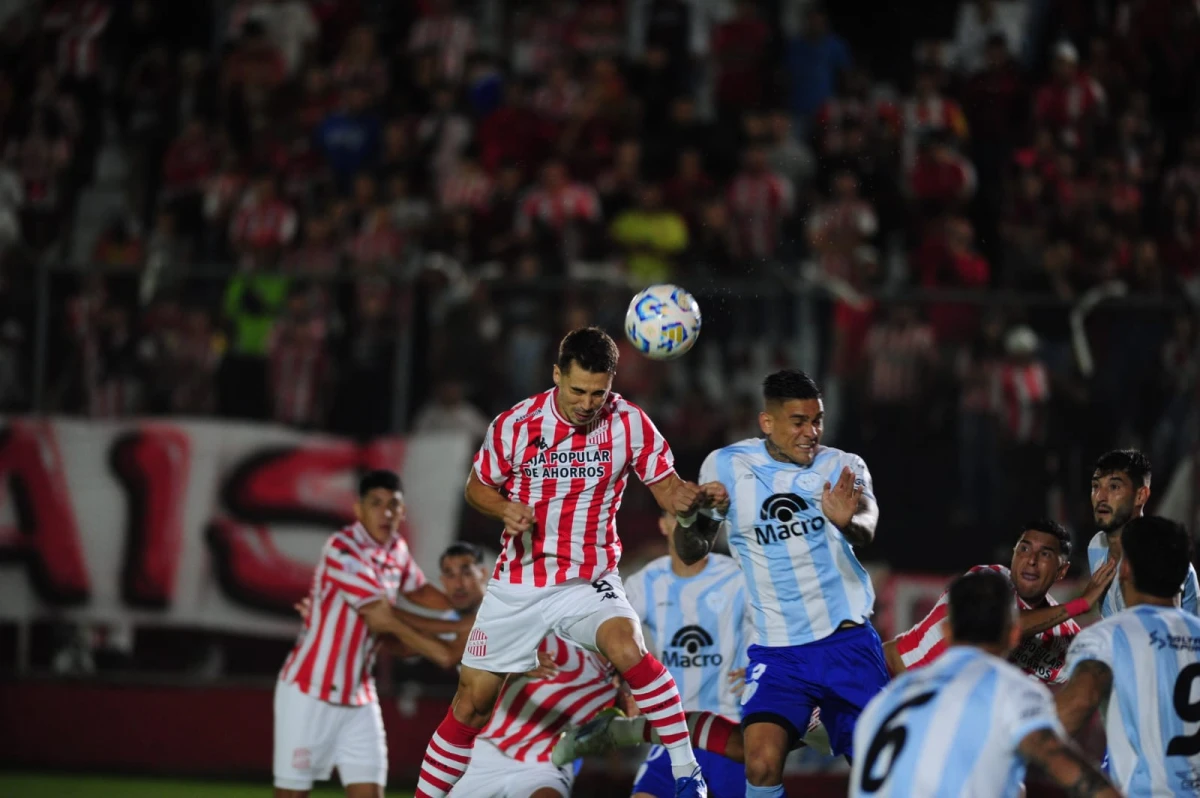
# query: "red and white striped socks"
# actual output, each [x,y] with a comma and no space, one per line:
[446,758]
[657,698]
[709,731]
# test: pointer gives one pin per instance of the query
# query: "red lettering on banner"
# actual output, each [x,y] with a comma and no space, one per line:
[154,464]
[311,485]
[46,534]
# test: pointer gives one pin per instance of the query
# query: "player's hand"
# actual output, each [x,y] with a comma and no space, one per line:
[840,502]
[546,668]
[686,498]
[737,680]
[517,517]
[715,496]
[304,607]
[1100,581]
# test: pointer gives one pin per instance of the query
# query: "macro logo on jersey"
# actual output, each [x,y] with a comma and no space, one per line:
[782,520]
[1174,642]
[687,649]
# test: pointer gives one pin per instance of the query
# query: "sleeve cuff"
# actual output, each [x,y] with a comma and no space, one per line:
[670,472]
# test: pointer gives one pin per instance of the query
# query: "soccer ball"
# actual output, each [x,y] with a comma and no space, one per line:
[663,322]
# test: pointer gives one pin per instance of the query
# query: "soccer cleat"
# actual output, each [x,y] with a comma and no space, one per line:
[588,739]
[691,787]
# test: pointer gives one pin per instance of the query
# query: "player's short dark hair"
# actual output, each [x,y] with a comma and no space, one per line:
[1159,552]
[789,384]
[1130,462]
[590,348]
[981,607]
[380,478]
[1053,528]
[460,549]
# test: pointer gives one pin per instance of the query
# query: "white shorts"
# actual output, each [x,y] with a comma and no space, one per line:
[491,774]
[312,737]
[513,619]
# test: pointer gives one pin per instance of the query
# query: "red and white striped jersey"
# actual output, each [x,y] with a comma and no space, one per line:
[1020,394]
[1041,656]
[530,714]
[758,204]
[573,478]
[558,209]
[333,658]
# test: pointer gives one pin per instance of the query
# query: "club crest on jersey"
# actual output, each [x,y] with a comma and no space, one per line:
[599,432]
[687,649]
[780,519]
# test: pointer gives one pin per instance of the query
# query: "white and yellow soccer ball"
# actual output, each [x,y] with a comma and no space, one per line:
[663,322]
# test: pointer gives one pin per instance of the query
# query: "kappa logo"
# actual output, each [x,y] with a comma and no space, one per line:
[687,649]
[782,519]
[540,443]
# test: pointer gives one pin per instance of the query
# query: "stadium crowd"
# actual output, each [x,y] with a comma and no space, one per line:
[307,178]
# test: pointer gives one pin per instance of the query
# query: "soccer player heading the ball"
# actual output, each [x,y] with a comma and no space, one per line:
[553,470]
[795,512]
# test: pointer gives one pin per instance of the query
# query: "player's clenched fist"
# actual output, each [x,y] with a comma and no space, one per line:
[517,517]
[686,498]
[716,496]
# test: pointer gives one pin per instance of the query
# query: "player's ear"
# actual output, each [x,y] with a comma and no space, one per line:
[765,422]
[1064,566]
[1141,496]
[557,376]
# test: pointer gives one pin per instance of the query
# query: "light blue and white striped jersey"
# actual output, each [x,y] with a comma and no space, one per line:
[1114,601]
[1152,716]
[801,573]
[697,627]
[950,729]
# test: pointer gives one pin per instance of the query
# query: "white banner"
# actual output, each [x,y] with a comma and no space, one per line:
[204,524]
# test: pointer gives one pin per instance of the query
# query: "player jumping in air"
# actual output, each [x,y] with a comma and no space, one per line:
[1142,666]
[1120,490]
[553,469]
[326,708]
[795,512]
[1040,558]
[970,722]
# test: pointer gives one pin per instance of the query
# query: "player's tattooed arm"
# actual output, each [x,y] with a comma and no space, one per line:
[1066,765]
[1090,684]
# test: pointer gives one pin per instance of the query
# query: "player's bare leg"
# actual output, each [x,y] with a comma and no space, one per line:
[364,790]
[547,792]
[654,691]
[449,751]
[282,793]
[766,746]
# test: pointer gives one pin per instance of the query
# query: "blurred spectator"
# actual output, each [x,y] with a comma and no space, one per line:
[929,111]
[513,133]
[253,302]
[559,216]
[947,259]
[263,225]
[300,367]
[1021,395]
[350,138]
[650,236]
[740,49]
[449,34]
[759,202]
[786,155]
[941,180]
[815,59]
[690,188]
[449,411]
[980,22]
[443,133]
[1072,102]
[975,366]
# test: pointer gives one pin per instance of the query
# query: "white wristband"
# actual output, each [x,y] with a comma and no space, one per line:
[686,520]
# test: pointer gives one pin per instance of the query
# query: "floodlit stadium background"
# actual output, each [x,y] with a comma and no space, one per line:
[250,248]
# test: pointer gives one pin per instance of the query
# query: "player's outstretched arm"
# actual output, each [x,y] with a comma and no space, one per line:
[849,508]
[1089,685]
[429,597]
[697,531]
[1036,621]
[434,626]
[1065,765]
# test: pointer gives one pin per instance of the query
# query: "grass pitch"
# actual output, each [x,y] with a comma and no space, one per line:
[21,785]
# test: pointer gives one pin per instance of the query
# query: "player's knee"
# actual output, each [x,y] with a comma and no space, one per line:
[476,697]
[364,790]
[764,768]
[621,642]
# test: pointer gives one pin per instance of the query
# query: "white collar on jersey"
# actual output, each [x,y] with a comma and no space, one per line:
[364,537]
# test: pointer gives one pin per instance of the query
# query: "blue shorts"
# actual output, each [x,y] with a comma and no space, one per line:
[839,674]
[724,777]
